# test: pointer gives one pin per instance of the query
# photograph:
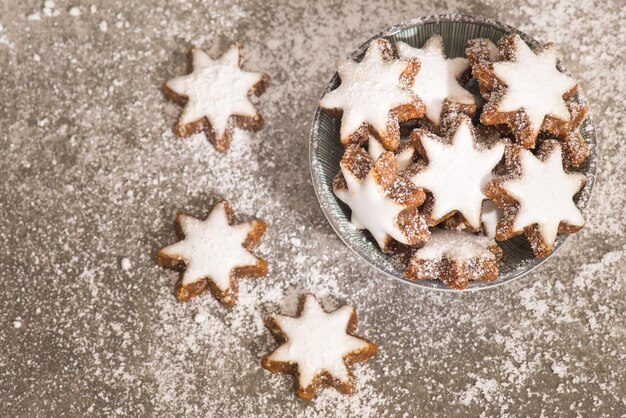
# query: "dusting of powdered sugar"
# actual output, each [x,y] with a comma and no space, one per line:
[93,176]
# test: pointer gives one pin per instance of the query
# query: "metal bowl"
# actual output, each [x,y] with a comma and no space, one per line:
[325,151]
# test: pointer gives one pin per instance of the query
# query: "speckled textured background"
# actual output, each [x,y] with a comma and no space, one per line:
[91,175]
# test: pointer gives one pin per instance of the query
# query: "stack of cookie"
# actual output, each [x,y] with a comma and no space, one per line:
[438,174]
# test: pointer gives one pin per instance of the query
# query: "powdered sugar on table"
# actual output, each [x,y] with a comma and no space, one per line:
[92,174]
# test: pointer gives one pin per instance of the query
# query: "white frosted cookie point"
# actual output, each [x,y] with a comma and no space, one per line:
[491,216]
[318,343]
[369,91]
[456,174]
[216,90]
[534,84]
[437,79]
[374,148]
[403,157]
[545,194]
[213,249]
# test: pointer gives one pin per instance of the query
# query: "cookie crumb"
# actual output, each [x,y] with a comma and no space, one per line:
[296,242]
[48,8]
[200,317]
[125,264]
[559,369]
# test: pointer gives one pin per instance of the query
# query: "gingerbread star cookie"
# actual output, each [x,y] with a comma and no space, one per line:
[438,78]
[457,171]
[374,96]
[537,198]
[213,254]
[455,257]
[318,347]
[216,96]
[525,89]
[381,201]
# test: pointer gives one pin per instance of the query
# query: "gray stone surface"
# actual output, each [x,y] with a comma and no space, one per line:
[91,175]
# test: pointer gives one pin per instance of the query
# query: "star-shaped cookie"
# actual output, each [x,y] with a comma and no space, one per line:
[216,96]
[374,96]
[457,171]
[438,78]
[213,254]
[318,347]
[525,89]
[537,197]
[381,201]
[455,257]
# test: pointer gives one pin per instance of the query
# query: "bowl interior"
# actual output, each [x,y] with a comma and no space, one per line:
[326,152]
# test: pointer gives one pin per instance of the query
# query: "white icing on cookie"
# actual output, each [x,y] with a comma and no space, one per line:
[403,158]
[545,194]
[457,173]
[211,248]
[534,84]
[317,341]
[491,215]
[437,78]
[216,89]
[455,245]
[369,90]
[492,50]
[371,209]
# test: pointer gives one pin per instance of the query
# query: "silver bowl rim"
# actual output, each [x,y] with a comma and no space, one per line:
[317,181]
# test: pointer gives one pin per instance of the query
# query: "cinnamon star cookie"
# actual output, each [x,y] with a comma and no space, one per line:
[537,197]
[374,96]
[317,347]
[213,254]
[216,97]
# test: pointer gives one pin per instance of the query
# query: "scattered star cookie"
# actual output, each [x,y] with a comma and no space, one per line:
[216,96]
[381,201]
[456,173]
[213,254]
[438,78]
[525,90]
[374,96]
[455,257]
[317,347]
[537,198]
